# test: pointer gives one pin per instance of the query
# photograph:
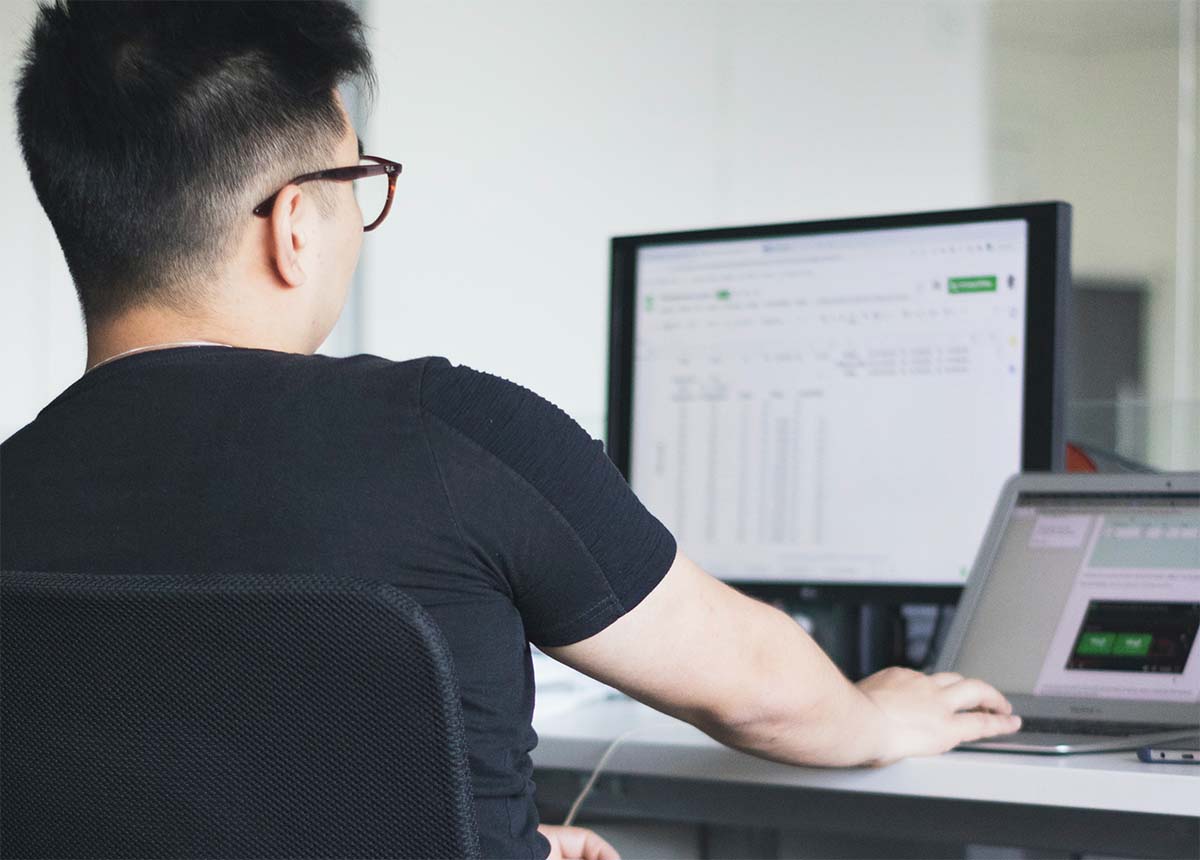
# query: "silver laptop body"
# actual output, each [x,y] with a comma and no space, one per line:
[1083,607]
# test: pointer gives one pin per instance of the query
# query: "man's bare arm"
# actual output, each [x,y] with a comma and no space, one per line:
[749,676]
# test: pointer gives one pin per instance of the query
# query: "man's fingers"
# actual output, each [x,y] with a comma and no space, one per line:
[945,679]
[579,843]
[975,725]
[595,848]
[971,694]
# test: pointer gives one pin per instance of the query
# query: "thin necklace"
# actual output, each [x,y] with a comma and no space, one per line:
[138,349]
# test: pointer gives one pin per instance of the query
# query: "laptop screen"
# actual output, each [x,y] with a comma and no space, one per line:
[1092,597]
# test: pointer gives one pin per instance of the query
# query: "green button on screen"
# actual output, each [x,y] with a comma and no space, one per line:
[1096,643]
[980,284]
[1132,644]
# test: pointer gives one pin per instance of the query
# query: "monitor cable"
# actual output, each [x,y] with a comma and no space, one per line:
[591,781]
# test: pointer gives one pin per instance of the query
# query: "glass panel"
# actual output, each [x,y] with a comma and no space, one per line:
[1136,433]
[1085,103]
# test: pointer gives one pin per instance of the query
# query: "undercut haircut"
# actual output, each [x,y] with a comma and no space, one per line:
[151,130]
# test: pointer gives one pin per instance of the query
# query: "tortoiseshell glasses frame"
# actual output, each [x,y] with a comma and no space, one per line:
[381,167]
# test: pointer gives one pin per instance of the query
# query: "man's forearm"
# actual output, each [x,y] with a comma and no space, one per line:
[843,732]
[794,705]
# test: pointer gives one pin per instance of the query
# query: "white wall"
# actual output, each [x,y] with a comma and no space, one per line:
[531,132]
[41,331]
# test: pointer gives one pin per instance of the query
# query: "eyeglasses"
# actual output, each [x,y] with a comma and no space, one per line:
[374,199]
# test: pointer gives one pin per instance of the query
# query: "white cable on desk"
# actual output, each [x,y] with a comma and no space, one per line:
[587,788]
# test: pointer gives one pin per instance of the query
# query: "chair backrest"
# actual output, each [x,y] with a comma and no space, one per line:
[240,716]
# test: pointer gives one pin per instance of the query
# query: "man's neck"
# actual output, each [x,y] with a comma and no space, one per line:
[144,329]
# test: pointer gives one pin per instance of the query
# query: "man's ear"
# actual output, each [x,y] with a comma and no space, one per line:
[289,224]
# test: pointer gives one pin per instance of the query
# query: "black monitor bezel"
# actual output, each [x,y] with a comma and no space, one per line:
[1048,280]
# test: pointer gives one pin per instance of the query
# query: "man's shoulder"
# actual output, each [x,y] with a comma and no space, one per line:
[357,377]
[495,411]
[366,365]
[454,392]
[526,432]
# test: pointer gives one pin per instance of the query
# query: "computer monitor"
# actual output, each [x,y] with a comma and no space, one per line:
[838,403]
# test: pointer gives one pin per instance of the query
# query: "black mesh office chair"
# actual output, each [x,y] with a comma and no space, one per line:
[179,716]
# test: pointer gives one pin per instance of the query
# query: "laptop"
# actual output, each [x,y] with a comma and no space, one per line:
[1083,608]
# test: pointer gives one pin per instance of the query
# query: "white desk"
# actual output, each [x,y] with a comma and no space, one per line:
[1105,803]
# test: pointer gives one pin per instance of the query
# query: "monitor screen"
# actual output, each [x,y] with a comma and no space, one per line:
[833,405]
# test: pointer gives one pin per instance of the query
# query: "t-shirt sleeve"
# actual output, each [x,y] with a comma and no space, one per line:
[540,505]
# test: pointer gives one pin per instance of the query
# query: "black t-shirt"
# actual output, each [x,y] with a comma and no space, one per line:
[486,503]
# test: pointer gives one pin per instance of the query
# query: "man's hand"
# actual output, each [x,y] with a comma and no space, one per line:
[576,843]
[929,714]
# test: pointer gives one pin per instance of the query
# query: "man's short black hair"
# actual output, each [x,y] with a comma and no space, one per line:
[152,129]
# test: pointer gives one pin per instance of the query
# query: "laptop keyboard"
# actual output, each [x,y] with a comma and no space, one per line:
[1037,725]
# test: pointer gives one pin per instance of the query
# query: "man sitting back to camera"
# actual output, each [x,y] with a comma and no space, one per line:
[171,146]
